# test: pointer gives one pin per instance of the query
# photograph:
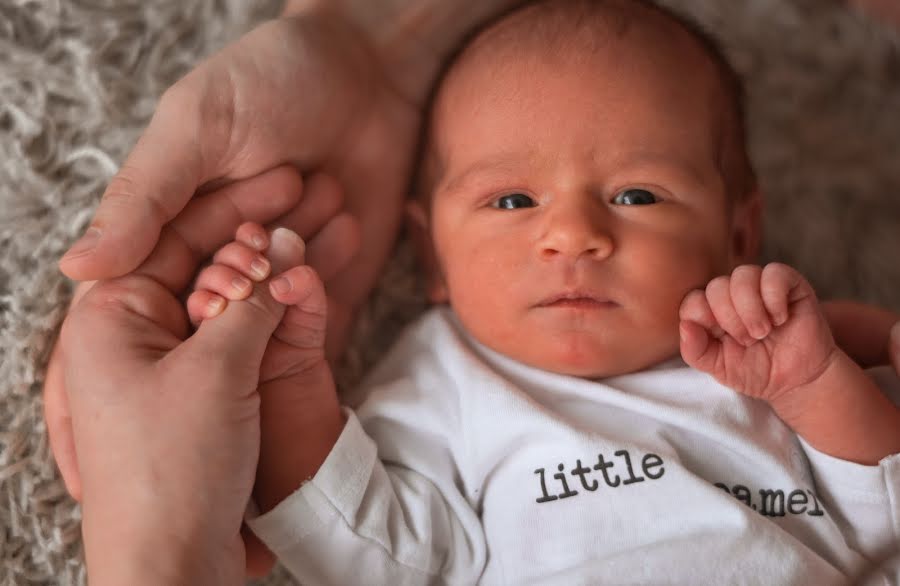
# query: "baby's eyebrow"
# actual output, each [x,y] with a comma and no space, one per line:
[499,165]
[682,170]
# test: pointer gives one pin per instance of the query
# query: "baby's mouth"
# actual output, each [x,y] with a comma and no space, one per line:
[578,300]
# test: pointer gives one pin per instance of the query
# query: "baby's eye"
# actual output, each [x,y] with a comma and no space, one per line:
[635,197]
[514,201]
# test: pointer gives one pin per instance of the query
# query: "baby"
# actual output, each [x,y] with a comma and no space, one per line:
[588,210]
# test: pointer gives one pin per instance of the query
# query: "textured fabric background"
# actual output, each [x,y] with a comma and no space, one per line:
[80,78]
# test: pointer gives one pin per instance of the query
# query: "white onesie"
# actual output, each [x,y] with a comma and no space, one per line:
[463,466]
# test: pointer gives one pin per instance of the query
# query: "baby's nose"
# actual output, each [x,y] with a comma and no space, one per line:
[577,231]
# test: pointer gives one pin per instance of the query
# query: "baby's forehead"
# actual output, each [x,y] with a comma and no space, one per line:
[581,33]
[604,38]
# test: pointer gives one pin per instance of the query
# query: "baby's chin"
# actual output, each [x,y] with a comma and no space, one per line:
[596,360]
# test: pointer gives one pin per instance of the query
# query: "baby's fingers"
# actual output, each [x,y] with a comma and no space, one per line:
[778,283]
[695,308]
[748,302]
[698,349]
[252,235]
[699,331]
[244,259]
[303,325]
[718,294]
[215,284]
[202,304]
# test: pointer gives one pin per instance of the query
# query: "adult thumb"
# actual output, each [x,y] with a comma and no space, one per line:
[240,334]
[155,182]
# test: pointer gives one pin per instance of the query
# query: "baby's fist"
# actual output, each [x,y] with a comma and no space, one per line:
[759,331]
[234,269]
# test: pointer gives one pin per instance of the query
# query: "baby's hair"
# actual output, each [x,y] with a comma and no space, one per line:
[578,27]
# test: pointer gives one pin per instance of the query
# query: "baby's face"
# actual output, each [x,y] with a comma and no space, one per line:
[577,204]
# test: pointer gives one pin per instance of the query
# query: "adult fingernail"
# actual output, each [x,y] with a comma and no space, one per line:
[286,249]
[281,285]
[760,331]
[284,239]
[85,244]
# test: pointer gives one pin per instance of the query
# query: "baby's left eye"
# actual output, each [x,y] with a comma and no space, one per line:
[632,197]
[514,201]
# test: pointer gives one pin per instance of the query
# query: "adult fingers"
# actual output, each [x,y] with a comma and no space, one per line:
[59,424]
[335,246]
[155,182]
[56,411]
[211,220]
[323,197]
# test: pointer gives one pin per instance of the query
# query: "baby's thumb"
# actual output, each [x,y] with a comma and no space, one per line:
[239,335]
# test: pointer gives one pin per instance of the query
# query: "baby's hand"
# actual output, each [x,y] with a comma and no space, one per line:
[295,384]
[298,342]
[230,276]
[759,331]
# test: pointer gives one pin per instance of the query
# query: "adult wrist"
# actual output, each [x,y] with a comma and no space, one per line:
[157,555]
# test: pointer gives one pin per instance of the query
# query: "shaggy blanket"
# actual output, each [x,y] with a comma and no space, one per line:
[80,78]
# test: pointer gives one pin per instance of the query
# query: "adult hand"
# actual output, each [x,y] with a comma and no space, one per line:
[311,89]
[160,322]
[166,427]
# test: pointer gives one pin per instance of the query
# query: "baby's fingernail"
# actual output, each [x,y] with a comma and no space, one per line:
[260,268]
[281,285]
[240,284]
[259,241]
[214,306]
[85,244]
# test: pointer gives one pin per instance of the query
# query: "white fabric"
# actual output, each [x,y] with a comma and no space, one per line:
[451,472]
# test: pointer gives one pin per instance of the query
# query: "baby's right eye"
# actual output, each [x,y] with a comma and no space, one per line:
[514,201]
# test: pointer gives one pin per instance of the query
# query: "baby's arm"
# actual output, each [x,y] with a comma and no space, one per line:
[391,514]
[762,332]
[300,415]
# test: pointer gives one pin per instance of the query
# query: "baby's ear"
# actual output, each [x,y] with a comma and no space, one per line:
[746,229]
[417,220]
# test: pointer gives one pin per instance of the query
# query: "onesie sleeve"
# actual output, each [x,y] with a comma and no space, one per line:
[864,500]
[391,513]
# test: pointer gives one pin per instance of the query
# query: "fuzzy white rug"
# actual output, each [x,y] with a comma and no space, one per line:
[80,78]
